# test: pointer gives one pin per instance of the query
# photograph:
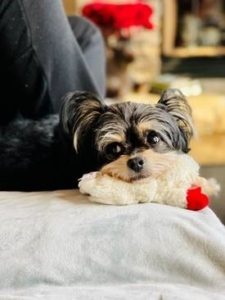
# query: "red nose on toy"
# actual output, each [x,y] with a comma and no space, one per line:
[196,200]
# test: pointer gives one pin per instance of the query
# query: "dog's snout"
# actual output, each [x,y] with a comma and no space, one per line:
[136,164]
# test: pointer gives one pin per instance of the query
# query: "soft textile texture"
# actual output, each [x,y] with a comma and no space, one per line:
[179,184]
[57,245]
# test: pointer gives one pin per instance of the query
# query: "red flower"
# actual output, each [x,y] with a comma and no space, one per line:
[119,16]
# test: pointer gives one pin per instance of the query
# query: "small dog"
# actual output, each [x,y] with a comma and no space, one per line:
[126,140]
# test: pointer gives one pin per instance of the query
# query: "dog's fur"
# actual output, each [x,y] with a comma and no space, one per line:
[87,136]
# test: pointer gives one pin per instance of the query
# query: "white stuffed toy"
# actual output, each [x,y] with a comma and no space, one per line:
[179,186]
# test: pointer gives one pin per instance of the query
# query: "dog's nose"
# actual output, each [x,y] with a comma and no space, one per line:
[136,164]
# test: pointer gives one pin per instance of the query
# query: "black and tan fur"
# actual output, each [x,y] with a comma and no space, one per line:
[127,140]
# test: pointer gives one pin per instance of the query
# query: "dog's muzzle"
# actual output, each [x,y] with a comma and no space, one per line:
[136,164]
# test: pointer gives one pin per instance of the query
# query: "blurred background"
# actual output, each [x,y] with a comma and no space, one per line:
[155,44]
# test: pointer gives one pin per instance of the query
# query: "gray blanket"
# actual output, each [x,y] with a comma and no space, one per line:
[57,245]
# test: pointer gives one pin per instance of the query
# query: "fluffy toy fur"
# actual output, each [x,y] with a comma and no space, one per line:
[173,186]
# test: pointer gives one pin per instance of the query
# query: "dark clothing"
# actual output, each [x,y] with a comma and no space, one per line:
[43,56]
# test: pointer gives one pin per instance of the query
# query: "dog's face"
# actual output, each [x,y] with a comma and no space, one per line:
[130,140]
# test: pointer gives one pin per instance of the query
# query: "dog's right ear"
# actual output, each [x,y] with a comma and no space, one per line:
[176,104]
[78,113]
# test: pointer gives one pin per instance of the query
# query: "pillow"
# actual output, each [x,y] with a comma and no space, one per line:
[57,243]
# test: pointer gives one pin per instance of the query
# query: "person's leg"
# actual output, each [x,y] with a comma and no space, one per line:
[92,45]
[59,53]
[41,60]
[23,84]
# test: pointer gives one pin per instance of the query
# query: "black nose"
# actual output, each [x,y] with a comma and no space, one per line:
[136,164]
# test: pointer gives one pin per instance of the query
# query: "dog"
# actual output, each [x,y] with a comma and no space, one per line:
[127,140]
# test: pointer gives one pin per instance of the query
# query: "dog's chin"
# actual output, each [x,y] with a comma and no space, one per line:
[138,177]
[127,177]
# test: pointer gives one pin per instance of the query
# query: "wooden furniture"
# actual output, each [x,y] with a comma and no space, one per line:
[70,6]
[170,28]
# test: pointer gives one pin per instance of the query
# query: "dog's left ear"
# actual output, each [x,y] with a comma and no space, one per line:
[78,113]
[175,103]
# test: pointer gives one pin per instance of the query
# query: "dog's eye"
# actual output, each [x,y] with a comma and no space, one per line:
[153,138]
[114,149]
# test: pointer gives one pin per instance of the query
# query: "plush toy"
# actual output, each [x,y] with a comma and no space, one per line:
[179,186]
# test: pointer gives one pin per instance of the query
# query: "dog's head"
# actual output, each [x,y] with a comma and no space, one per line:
[130,140]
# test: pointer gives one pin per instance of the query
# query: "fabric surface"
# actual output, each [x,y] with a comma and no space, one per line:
[57,245]
[43,57]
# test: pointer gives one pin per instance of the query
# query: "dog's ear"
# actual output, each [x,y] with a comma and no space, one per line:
[78,113]
[175,103]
